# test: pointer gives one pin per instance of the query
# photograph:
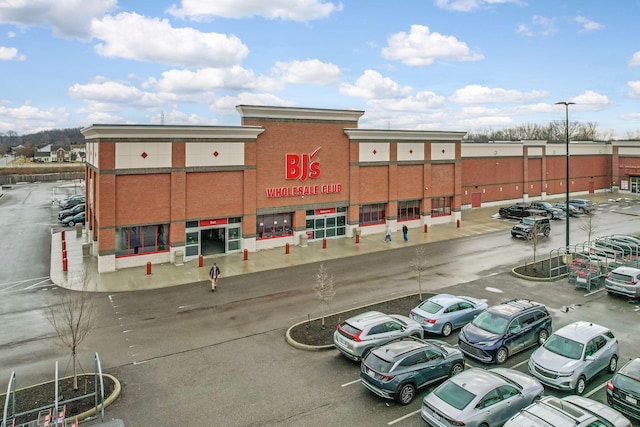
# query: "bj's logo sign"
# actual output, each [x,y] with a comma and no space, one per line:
[302,166]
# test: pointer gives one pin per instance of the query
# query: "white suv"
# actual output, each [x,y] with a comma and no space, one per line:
[574,354]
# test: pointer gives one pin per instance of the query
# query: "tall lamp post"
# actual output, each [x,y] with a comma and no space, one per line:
[566,109]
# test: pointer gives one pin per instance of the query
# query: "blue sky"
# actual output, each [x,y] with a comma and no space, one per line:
[450,65]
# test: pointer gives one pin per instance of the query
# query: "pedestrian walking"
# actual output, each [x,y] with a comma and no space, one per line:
[214,275]
[405,232]
[387,236]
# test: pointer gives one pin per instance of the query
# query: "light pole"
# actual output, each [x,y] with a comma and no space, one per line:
[566,109]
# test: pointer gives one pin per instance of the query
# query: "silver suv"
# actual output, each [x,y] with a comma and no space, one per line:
[356,336]
[574,354]
[570,411]
[623,281]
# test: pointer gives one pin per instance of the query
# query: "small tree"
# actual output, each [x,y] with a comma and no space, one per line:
[323,287]
[419,264]
[72,317]
[589,224]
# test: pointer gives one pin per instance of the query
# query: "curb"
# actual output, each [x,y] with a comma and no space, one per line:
[307,347]
[535,279]
[108,401]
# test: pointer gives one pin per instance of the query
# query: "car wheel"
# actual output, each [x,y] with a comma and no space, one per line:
[501,355]
[446,329]
[546,232]
[542,336]
[456,369]
[484,425]
[529,236]
[407,393]
[71,223]
[581,385]
[613,364]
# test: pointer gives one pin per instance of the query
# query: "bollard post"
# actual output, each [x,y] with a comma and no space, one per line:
[426,228]
[246,254]
[64,246]
[324,243]
[200,260]
[65,265]
[286,249]
[62,235]
[64,254]
[148,268]
[458,223]
[357,237]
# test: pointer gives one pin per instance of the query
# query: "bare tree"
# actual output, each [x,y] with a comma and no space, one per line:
[72,317]
[589,224]
[419,264]
[324,287]
[535,237]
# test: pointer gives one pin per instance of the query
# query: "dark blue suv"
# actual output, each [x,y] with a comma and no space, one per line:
[505,329]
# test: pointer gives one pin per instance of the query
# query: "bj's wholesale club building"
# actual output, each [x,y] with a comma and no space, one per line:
[287,175]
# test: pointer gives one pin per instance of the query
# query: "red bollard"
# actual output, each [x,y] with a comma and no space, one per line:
[357,237]
[286,249]
[64,246]
[200,260]
[64,253]
[148,268]
[62,234]
[458,223]
[246,254]
[65,265]
[324,243]
[426,228]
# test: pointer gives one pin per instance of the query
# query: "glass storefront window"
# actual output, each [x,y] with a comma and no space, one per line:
[139,240]
[274,225]
[372,214]
[441,206]
[408,210]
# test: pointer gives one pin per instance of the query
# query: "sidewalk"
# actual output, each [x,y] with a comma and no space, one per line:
[474,221]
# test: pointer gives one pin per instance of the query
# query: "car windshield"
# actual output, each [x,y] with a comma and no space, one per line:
[454,395]
[564,347]
[527,221]
[376,363]
[545,204]
[491,322]
[430,307]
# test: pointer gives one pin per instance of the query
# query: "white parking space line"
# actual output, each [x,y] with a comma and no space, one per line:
[351,383]
[519,364]
[404,417]
[594,292]
[596,389]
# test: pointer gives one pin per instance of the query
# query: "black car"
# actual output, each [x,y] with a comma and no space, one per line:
[71,211]
[515,211]
[623,390]
[552,212]
[78,218]
[397,369]
[505,329]
[73,202]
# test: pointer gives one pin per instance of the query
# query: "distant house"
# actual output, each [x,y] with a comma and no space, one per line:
[78,152]
[50,153]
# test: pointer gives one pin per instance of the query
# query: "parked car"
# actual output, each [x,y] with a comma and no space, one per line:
[553,212]
[75,196]
[623,281]
[570,411]
[356,336]
[397,369]
[70,221]
[71,211]
[573,355]
[583,205]
[515,211]
[623,390]
[443,313]
[480,398]
[573,211]
[505,329]
[72,202]
[531,226]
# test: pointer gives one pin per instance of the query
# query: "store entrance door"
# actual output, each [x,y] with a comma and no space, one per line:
[212,241]
[326,223]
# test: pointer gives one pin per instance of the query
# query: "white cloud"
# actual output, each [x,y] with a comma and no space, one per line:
[421,48]
[26,118]
[476,94]
[10,53]
[371,85]
[311,71]
[295,10]
[635,60]
[420,102]
[469,5]
[114,95]
[67,18]
[587,24]
[591,101]
[540,25]
[206,79]
[132,36]
[227,105]
[177,117]
[635,89]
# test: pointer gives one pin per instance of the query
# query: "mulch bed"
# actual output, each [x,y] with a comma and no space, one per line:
[41,395]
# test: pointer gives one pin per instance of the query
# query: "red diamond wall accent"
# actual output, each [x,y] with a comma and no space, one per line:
[144,155]
[374,152]
[216,154]
[410,151]
[443,151]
